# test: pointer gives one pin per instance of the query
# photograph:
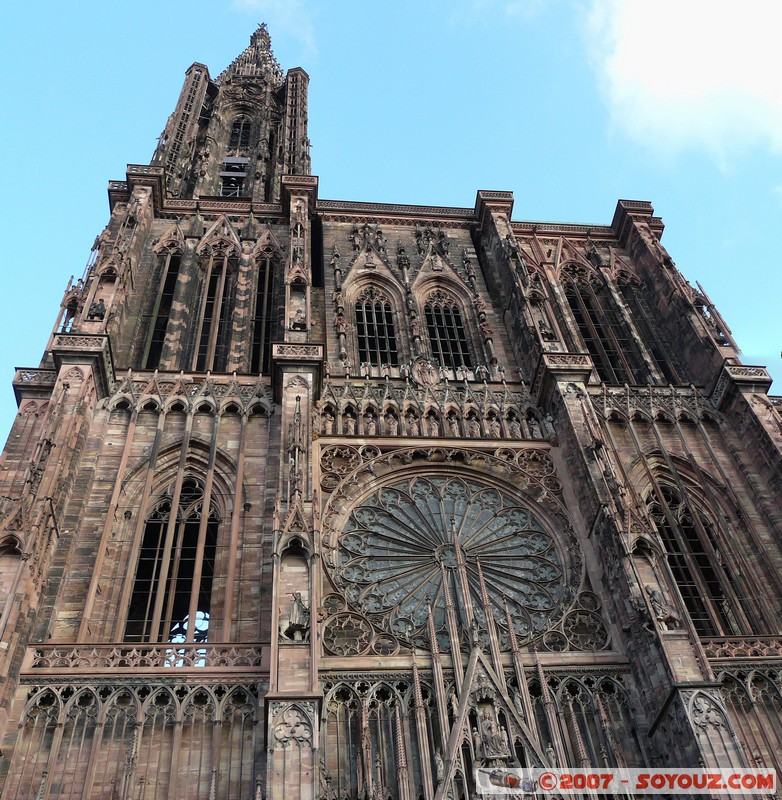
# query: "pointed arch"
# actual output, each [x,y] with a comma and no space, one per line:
[375,330]
[705,566]
[376,301]
[219,251]
[267,255]
[601,327]
[445,326]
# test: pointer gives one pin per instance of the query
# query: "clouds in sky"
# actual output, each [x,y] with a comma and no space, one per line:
[681,74]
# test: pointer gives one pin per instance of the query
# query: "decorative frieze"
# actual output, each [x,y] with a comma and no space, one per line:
[743,647]
[652,402]
[195,392]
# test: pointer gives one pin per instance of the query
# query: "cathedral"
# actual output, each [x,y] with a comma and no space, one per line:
[344,500]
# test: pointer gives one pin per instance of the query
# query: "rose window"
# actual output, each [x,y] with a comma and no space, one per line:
[404,545]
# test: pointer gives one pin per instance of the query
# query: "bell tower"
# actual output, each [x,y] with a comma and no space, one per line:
[237,135]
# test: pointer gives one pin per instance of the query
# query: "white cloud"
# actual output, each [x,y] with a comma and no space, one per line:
[291,17]
[681,74]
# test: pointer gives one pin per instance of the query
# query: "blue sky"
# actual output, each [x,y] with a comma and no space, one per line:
[570,104]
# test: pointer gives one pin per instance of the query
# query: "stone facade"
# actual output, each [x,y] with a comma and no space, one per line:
[328,499]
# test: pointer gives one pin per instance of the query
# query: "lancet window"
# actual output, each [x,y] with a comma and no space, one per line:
[703,578]
[172,589]
[375,329]
[162,308]
[604,333]
[447,335]
[212,338]
[262,317]
[240,134]
[659,349]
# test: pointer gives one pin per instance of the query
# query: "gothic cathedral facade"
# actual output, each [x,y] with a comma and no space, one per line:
[323,499]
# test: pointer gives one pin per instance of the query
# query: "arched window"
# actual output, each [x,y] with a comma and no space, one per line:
[240,134]
[375,329]
[662,352]
[446,331]
[263,318]
[604,332]
[704,581]
[213,325]
[172,589]
[162,308]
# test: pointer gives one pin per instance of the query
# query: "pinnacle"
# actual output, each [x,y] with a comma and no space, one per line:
[257,61]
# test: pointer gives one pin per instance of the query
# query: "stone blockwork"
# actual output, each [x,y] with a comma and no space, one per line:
[312,498]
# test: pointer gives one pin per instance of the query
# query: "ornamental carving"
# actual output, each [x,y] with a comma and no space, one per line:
[292,725]
[418,539]
[347,635]
[585,630]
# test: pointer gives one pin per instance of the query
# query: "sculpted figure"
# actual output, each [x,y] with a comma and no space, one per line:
[666,617]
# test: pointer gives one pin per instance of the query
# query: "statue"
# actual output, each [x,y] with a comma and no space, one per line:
[534,426]
[299,320]
[476,743]
[296,625]
[412,424]
[328,423]
[666,617]
[392,424]
[473,427]
[370,424]
[495,431]
[545,332]
[350,424]
[515,428]
[494,740]
[97,310]
[433,425]
[439,766]
[453,424]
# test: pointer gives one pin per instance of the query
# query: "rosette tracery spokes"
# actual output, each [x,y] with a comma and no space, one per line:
[405,545]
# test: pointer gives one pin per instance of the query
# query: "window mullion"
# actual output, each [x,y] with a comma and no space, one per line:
[199,556]
[171,581]
[217,312]
[170,532]
[202,311]
[588,312]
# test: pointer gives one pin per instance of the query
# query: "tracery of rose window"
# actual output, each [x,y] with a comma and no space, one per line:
[403,545]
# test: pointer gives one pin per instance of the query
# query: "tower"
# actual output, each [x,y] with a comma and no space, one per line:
[342,499]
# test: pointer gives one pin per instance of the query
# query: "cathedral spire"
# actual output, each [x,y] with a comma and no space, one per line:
[257,61]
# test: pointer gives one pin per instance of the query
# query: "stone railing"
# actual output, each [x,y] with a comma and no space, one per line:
[743,647]
[145,169]
[651,401]
[141,657]
[45,377]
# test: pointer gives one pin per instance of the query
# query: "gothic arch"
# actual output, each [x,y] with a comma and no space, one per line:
[596,321]
[451,329]
[374,303]
[689,513]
